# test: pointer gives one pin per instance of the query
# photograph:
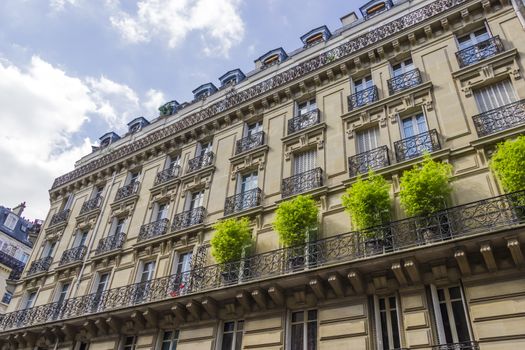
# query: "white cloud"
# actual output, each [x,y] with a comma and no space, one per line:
[217,21]
[58,5]
[154,99]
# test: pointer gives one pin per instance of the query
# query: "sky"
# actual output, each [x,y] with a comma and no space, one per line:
[72,70]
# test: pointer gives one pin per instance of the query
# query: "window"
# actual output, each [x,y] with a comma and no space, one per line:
[451,314]
[253,128]
[195,200]
[129,342]
[173,161]
[62,295]
[99,288]
[363,84]
[306,107]
[161,211]
[403,67]
[232,335]
[169,340]
[145,276]
[367,139]
[473,38]
[11,221]
[30,300]
[303,330]
[24,257]
[97,191]
[148,269]
[304,161]
[182,267]
[133,177]
[49,249]
[247,182]
[414,125]
[81,346]
[494,96]
[6,299]
[80,238]
[388,332]
[68,202]
[203,148]
[118,225]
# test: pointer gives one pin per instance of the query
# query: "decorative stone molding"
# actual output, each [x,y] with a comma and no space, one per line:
[303,142]
[193,183]
[250,161]
[164,194]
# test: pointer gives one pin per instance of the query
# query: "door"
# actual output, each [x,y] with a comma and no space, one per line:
[413,126]
[495,96]
[453,320]
[361,85]
[80,240]
[143,288]
[246,190]
[367,140]
[62,295]
[253,128]
[183,273]
[388,325]
[162,211]
[403,67]
[100,288]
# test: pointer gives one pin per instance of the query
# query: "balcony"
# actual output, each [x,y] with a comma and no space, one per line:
[362,98]
[188,218]
[60,217]
[110,243]
[40,265]
[468,345]
[304,121]
[73,255]
[417,145]
[242,201]
[249,142]
[127,190]
[13,263]
[168,174]
[200,162]
[478,52]
[361,163]
[500,119]
[154,229]
[302,182]
[91,204]
[404,81]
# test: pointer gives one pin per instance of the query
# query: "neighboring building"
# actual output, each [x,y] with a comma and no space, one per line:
[16,241]
[123,259]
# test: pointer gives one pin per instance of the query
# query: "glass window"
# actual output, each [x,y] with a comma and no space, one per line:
[203,148]
[82,346]
[81,238]
[68,202]
[403,67]
[133,177]
[49,249]
[388,317]
[31,296]
[11,221]
[453,316]
[24,257]
[102,283]
[306,107]
[129,343]
[473,38]
[119,225]
[162,211]
[173,161]
[247,182]
[232,335]
[97,192]
[303,330]
[414,125]
[253,128]
[196,200]
[495,96]
[148,269]
[304,161]
[169,340]
[367,139]
[62,295]
[363,83]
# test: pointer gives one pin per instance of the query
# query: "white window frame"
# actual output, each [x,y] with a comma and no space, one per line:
[141,271]
[254,175]
[133,345]
[235,331]
[495,95]
[60,291]
[309,105]
[97,279]
[175,337]
[362,83]
[49,249]
[114,226]
[27,298]
[413,117]
[253,128]
[296,166]
[472,37]
[189,200]
[369,134]
[10,221]
[379,327]
[156,211]
[131,178]
[405,67]
[289,325]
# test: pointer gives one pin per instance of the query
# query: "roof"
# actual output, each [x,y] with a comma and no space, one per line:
[17,232]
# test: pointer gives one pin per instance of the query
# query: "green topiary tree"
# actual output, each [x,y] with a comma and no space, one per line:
[231,236]
[368,202]
[425,188]
[294,218]
[508,163]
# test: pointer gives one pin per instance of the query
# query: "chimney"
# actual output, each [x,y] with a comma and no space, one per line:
[348,19]
[19,209]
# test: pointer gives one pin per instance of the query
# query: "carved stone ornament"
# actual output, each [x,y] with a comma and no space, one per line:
[248,162]
[194,183]
[304,142]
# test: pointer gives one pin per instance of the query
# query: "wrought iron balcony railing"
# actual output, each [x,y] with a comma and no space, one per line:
[153,229]
[361,163]
[188,218]
[168,174]
[362,98]
[304,121]
[10,261]
[73,254]
[110,243]
[417,145]
[249,142]
[467,345]
[484,216]
[242,201]
[478,52]
[404,81]
[40,265]
[500,119]
[127,190]
[200,162]
[60,217]
[302,182]
[91,204]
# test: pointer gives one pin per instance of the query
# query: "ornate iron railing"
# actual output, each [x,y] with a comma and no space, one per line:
[73,254]
[467,345]
[188,218]
[110,243]
[478,52]
[304,121]
[484,216]
[499,119]
[154,229]
[60,217]
[249,142]
[404,81]
[362,98]
[40,265]
[242,201]
[168,174]
[302,182]
[10,261]
[361,163]
[127,190]
[417,145]
[91,204]
[200,162]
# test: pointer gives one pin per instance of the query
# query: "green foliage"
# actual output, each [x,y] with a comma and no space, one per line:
[368,202]
[294,218]
[231,236]
[508,163]
[425,188]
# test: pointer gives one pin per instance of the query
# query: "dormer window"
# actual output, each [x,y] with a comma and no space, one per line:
[375,7]
[316,36]
[204,91]
[137,124]
[107,139]
[232,77]
[270,58]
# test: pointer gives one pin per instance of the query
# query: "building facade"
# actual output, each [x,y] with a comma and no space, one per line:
[123,261]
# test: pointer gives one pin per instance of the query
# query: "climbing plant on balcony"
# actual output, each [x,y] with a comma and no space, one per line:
[425,188]
[508,163]
[230,238]
[294,218]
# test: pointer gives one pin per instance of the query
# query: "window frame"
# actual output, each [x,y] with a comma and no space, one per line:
[310,105]
[236,330]
[14,221]
[304,322]
[414,119]
[390,328]
[403,67]
[125,346]
[175,337]
[471,35]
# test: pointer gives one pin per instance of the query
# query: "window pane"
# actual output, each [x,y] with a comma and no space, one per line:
[297,337]
[298,316]
[229,326]
[312,335]
[446,323]
[227,341]
[395,327]
[238,341]
[384,330]
[461,320]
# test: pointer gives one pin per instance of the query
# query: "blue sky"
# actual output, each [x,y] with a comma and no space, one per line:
[71,70]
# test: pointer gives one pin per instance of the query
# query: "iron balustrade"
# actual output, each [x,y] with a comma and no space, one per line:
[249,142]
[40,265]
[302,182]
[168,174]
[484,216]
[154,229]
[110,243]
[404,81]
[242,201]
[60,217]
[417,145]
[467,345]
[479,51]
[72,255]
[361,163]
[13,263]
[499,119]
[304,121]
[91,204]
[200,162]
[188,218]
[127,190]
[362,98]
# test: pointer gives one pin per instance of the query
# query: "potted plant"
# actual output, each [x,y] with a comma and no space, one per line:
[229,242]
[294,221]
[368,203]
